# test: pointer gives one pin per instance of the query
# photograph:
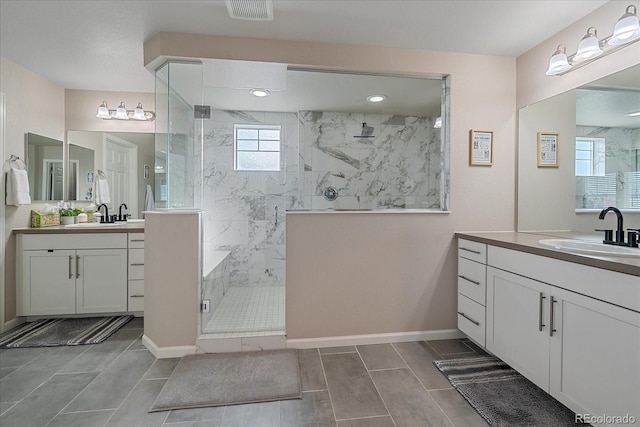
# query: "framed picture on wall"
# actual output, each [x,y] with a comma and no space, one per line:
[548,145]
[480,147]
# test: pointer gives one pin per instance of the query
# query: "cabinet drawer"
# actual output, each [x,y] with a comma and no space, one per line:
[471,319]
[136,272]
[472,250]
[136,295]
[136,240]
[136,256]
[472,280]
[74,241]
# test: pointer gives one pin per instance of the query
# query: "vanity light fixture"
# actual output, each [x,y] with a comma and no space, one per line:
[626,31]
[438,123]
[121,113]
[260,93]
[376,98]
[634,114]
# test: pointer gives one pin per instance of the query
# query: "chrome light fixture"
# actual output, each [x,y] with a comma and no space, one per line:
[260,93]
[626,31]
[121,113]
[376,98]
[589,47]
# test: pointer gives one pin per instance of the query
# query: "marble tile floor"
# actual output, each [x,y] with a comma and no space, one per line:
[115,383]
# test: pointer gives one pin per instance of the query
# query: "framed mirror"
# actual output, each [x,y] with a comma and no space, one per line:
[45,168]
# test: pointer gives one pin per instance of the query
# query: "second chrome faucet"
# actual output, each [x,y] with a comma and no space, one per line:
[619,239]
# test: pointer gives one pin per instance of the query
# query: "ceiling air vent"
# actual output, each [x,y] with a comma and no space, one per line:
[253,10]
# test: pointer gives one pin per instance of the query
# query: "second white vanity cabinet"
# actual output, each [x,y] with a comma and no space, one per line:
[573,330]
[71,273]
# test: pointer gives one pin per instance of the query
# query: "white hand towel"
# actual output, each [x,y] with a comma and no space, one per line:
[101,191]
[149,202]
[18,187]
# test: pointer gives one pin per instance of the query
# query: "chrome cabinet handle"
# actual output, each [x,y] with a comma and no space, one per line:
[138,264]
[551,316]
[468,280]
[136,296]
[470,250]
[70,261]
[77,266]
[136,240]
[540,324]
[468,318]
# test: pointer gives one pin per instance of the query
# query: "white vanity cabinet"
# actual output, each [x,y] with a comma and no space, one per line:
[136,272]
[71,273]
[472,260]
[573,330]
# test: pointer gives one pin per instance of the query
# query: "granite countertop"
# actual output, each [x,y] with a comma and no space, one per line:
[129,227]
[528,242]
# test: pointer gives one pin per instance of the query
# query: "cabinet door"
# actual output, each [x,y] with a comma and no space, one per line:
[101,281]
[48,283]
[595,356]
[517,331]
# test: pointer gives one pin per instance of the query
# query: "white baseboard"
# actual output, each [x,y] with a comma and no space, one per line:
[442,334]
[16,321]
[167,352]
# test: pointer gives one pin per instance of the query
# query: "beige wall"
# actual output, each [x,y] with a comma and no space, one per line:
[33,104]
[534,85]
[374,273]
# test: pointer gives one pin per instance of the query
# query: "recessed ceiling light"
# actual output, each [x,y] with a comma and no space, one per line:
[260,92]
[635,114]
[376,98]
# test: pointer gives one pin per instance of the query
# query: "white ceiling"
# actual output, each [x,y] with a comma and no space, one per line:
[98,45]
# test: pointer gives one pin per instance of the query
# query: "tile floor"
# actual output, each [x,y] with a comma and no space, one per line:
[114,384]
[248,311]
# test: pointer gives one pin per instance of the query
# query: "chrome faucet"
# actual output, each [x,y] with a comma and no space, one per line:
[120,217]
[105,217]
[608,236]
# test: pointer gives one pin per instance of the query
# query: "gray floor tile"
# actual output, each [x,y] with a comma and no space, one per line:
[444,347]
[6,371]
[137,344]
[5,406]
[214,413]
[82,419]
[208,423]
[368,422]
[25,379]
[15,357]
[352,391]
[314,409]
[380,356]
[419,357]
[475,347]
[457,409]
[46,401]
[135,323]
[333,350]
[311,374]
[134,411]
[161,368]
[99,356]
[113,384]
[255,415]
[408,403]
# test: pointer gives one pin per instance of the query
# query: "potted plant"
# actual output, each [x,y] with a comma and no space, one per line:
[68,216]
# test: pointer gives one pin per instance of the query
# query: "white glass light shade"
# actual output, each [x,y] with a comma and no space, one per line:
[589,47]
[438,123]
[138,113]
[121,112]
[260,93]
[627,28]
[103,111]
[376,98]
[558,62]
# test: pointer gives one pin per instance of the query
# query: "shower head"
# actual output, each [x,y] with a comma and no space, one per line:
[367,131]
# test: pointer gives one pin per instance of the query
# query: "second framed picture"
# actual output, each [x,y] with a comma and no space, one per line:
[480,147]
[548,146]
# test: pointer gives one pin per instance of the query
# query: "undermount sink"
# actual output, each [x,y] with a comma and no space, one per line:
[590,248]
[95,224]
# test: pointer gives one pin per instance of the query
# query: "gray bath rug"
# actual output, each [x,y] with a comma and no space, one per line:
[59,332]
[220,379]
[501,395]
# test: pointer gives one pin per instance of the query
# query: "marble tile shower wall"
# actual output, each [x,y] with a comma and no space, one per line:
[240,206]
[399,168]
[621,147]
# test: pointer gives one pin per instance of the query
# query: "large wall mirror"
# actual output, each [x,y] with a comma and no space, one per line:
[45,167]
[125,158]
[598,125]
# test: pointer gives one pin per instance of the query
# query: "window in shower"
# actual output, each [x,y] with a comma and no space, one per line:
[257,147]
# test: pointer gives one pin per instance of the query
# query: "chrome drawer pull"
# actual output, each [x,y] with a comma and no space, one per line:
[540,324]
[77,266]
[468,318]
[470,250]
[551,316]
[136,240]
[136,264]
[468,280]
[70,261]
[136,296]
